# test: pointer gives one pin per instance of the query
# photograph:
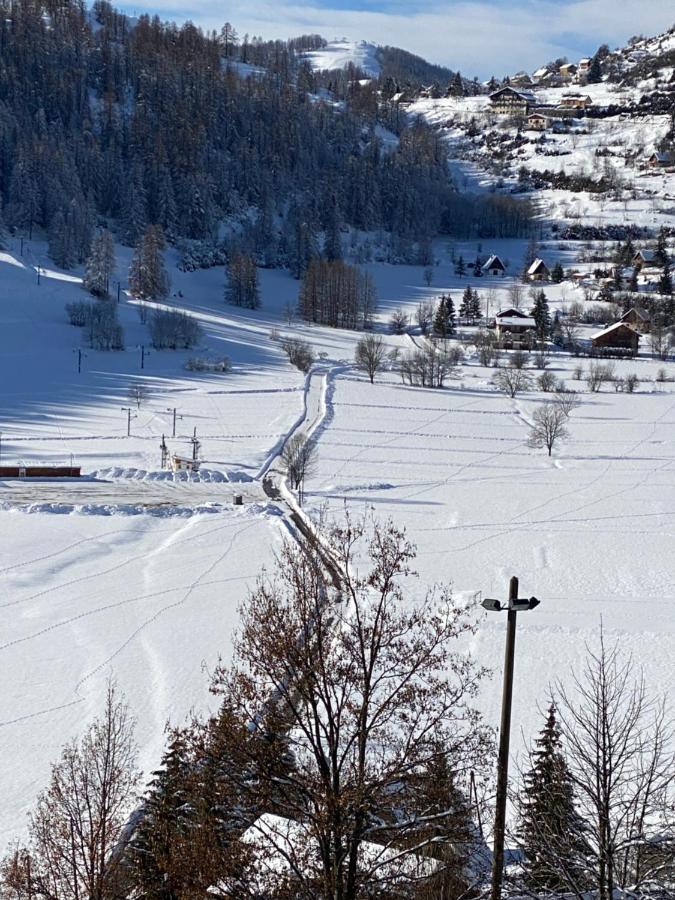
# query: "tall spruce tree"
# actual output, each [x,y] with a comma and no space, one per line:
[148,279]
[100,265]
[542,316]
[444,317]
[550,831]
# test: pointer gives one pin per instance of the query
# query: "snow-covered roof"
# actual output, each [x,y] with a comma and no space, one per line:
[541,72]
[516,322]
[494,262]
[528,96]
[646,255]
[510,311]
[615,327]
[537,266]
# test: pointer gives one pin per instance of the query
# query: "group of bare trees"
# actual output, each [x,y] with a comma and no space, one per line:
[597,811]
[430,365]
[336,294]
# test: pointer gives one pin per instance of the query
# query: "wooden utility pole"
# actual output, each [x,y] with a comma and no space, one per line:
[165,452]
[504,739]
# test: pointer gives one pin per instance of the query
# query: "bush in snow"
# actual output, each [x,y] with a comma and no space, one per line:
[546,381]
[173,330]
[599,374]
[78,313]
[299,353]
[201,364]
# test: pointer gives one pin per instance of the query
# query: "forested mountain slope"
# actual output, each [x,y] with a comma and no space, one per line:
[107,121]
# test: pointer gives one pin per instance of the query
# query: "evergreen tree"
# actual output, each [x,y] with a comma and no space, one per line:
[62,240]
[460,268]
[444,317]
[159,842]
[557,273]
[332,247]
[633,283]
[466,304]
[148,278]
[595,71]
[550,831]
[661,251]
[475,311]
[477,269]
[541,315]
[100,265]
[666,280]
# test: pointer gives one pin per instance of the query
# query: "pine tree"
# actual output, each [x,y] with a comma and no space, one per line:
[100,265]
[541,315]
[476,310]
[661,251]
[557,273]
[550,831]
[161,838]
[444,317]
[466,304]
[595,71]
[460,268]
[148,279]
[666,280]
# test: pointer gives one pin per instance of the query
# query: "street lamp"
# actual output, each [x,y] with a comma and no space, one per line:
[515,605]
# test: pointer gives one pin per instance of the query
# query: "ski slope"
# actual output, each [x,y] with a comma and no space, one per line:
[340,54]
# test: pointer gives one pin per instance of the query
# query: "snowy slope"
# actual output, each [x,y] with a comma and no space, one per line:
[339,54]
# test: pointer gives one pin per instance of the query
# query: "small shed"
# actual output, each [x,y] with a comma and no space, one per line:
[494,266]
[618,336]
[539,271]
[184,464]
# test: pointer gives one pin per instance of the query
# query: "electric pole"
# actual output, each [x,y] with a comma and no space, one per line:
[144,353]
[174,411]
[195,444]
[165,452]
[130,415]
[513,607]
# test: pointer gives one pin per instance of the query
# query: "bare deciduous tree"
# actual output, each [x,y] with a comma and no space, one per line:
[549,425]
[619,749]
[512,381]
[424,315]
[599,374]
[299,459]
[370,355]
[399,321]
[78,819]
[372,728]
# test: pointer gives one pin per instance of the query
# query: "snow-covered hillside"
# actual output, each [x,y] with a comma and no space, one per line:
[340,54]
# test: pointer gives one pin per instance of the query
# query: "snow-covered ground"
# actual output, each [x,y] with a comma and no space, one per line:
[340,54]
[589,532]
[151,600]
[142,579]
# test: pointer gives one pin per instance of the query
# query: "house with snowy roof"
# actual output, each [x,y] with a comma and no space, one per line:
[539,271]
[644,258]
[494,266]
[661,160]
[619,338]
[511,102]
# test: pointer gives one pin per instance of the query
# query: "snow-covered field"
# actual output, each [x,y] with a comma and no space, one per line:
[151,600]
[589,532]
[148,590]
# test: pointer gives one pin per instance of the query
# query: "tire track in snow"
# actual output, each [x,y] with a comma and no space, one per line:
[186,596]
